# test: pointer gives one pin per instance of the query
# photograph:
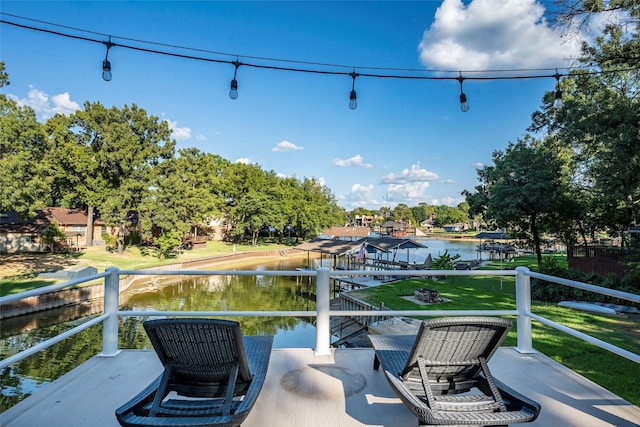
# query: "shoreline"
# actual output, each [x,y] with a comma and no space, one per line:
[453,238]
[21,266]
[90,291]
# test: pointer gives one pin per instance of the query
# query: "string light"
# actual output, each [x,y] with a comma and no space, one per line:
[464,105]
[557,102]
[106,65]
[353,98]
[233,93]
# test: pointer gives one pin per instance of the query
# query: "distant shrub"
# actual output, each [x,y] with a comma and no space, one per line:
[542,290]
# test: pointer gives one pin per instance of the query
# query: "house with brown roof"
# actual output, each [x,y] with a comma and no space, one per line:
[346,233]
[26,235]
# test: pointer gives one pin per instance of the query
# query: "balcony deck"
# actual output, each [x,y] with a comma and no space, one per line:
[303,389]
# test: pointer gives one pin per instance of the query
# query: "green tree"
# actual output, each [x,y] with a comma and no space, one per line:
[318,209]
[419,213]
[25,180]
[527,190]
[449,215]
[4,76]
[478,199]
[183,195]
[600,122]
[238,181]
[402,213]
[53,235]
[253,212]
[446,261]
[106,157]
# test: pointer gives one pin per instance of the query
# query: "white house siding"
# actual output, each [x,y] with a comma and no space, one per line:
[18,242]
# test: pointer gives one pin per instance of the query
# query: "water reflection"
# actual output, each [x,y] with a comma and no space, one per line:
[188,293]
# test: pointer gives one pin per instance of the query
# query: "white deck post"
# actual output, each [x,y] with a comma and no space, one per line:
[523,304]
[323,304]
[111,304]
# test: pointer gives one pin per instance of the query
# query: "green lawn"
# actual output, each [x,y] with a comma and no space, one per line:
[611,371]
[133,258]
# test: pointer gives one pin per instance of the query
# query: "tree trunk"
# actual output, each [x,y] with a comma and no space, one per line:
[121,239]
[89,233]
[583,233]
[536,238]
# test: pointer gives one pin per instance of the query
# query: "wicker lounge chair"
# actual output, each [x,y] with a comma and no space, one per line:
[441,374]
[212,375]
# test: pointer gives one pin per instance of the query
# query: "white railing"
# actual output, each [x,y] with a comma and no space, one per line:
[322,313]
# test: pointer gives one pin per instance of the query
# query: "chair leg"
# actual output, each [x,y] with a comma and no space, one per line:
[161,392]
[492,385]
[231,385]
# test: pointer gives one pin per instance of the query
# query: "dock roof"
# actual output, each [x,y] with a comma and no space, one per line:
[331,246]
[343,247]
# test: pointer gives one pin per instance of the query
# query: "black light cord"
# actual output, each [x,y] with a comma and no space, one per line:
[285,68]
[552,73]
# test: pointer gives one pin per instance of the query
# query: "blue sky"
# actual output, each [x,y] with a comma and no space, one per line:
[407,142]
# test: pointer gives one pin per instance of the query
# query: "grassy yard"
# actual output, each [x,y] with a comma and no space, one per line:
[613,372]
[18,272]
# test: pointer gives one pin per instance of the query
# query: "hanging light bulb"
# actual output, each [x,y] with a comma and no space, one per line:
[353,98]
[106,65]
[557,102]
[464,105]
[233,92]
[106,70]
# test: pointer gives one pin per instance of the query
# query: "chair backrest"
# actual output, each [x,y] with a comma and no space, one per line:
[199,349]
[447,341]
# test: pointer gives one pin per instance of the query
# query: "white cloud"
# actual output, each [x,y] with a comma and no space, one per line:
[494,34]
[286,146]
[244,160]
[408,192]
[360,196]
[179,133]
[449,181]
[201,137]
[352,161]
[62,104]
[478,165]
[39,101]
[415,174]
[409,186]
[362,191]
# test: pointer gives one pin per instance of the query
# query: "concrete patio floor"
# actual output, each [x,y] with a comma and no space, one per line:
[303,389]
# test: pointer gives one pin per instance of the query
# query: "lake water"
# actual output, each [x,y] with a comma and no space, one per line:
[215,293]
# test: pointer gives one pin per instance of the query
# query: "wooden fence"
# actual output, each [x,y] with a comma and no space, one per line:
[599,260]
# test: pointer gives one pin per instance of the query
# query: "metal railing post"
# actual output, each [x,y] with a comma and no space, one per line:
[111,305]
[323,305]
[523,304]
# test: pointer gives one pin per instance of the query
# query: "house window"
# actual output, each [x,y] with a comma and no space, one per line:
[79,228]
